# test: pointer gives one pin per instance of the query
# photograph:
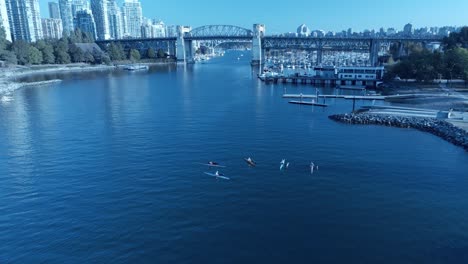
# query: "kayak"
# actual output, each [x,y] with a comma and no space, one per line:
[211,165]
[217,176]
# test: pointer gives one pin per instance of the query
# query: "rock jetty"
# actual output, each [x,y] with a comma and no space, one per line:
[434,126]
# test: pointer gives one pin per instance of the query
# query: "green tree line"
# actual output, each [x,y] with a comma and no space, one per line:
[66,50]
[424,65]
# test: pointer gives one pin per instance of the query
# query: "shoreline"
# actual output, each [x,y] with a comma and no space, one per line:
[437,127]
[9,76]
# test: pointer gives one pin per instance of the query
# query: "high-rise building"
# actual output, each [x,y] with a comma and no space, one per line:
[66,15]
[78,5]
[133,18]
[303,31]
[4,23]
[101,19]
[171,31]
[153,29]
[84,20]
[54,11]
[408,30]
[52,28]
[159,29]
[25,20]
[116,29]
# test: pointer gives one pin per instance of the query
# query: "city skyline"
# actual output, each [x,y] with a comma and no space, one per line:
[329,16]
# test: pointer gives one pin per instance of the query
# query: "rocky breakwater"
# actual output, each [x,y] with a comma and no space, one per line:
[434,126]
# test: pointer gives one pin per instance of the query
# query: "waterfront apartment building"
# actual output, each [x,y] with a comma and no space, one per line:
[101,18]
[4,23]
[52,28]
[133,18]
[66,15]
[24,19]
[84,20]
[116,28]
[171,31]
[153,29]
[54,10]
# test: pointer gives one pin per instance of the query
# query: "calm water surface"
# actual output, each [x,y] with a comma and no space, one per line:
[101,168]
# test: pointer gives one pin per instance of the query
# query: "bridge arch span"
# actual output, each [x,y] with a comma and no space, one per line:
[227,31]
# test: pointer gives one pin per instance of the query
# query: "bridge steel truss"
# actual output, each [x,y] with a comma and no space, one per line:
[142,45]
[372,45]
[220,31]
[214,35]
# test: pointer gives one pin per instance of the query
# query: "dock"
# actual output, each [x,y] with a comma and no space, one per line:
[300,80]
[308,103]
[347,97]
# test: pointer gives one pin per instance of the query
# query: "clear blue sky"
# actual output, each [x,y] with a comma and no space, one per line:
[285,16]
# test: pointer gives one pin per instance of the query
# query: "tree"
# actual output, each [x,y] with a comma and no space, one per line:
[134,55]
[5,54]
[116,52]
[455,40]
[3,40]
[47,51]
[151,54]
[456,63]
[76,53]
[88,57]
[21,50]
[61,52]
[161,53]
[35,56]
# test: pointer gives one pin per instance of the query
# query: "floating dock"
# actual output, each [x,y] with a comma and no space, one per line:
[308,103]
[347,97]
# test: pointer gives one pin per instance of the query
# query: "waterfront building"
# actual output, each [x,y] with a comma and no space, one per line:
[84,20]
[116,29]
[356,75]
[153,29]
[52,28]
[171,31]
[24,19]
[54,10]
[101,18]
[67,15]
[133,18]
[4,23]
[303,31]
[159,29]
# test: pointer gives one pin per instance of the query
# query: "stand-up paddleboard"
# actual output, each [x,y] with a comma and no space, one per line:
[214,165]
[217,175]
[250,162]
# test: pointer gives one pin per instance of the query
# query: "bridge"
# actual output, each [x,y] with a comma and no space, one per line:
[184,45]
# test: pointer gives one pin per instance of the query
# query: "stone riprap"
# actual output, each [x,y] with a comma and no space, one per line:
[434,126]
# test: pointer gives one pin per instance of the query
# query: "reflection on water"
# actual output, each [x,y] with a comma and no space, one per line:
[103,166]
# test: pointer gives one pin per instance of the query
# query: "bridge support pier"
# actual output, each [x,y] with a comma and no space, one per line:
[401,50]
[184,50]
[319,56]
[257,51]
[374,52]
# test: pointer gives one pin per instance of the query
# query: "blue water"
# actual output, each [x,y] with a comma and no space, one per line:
[101,168]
